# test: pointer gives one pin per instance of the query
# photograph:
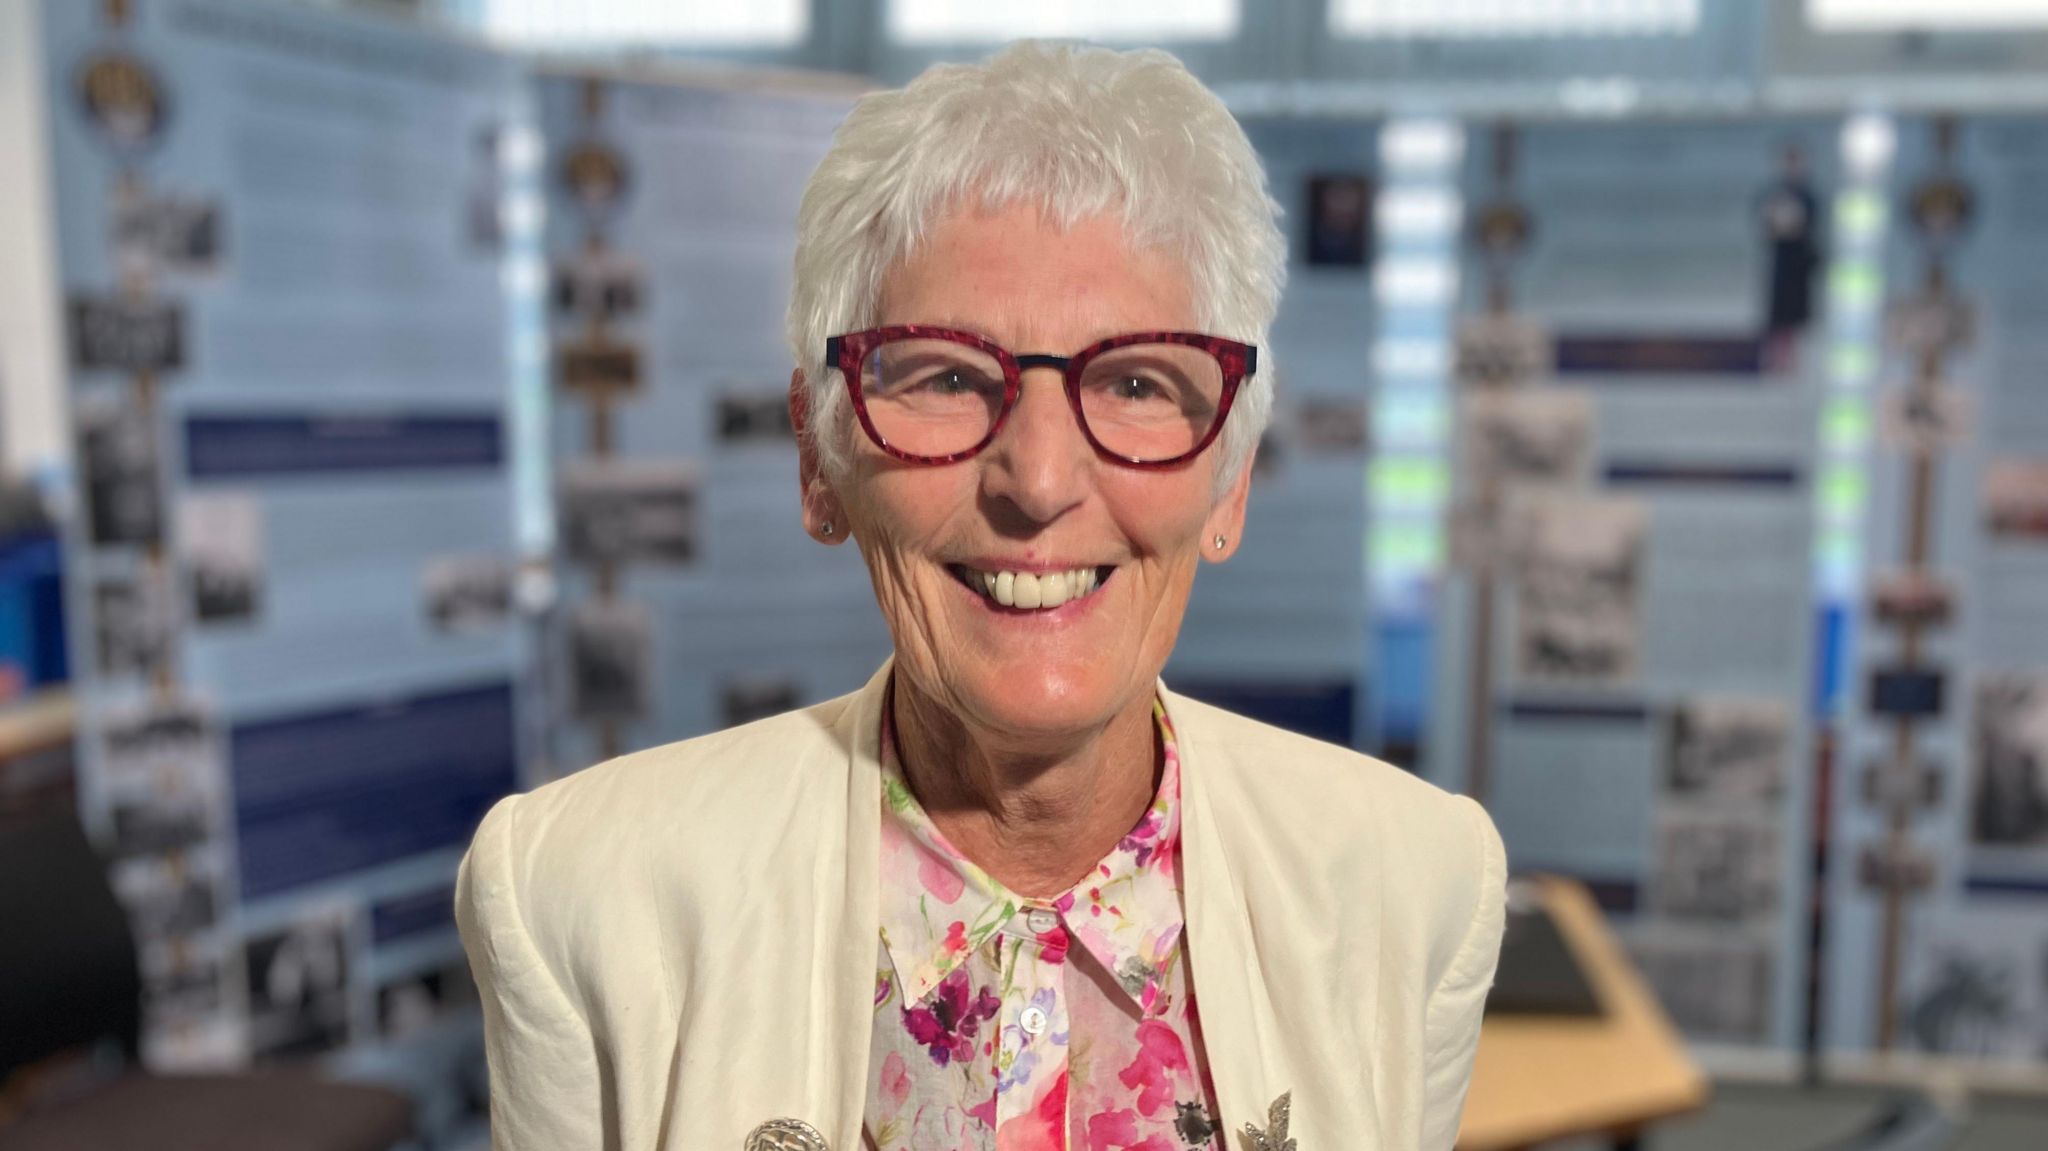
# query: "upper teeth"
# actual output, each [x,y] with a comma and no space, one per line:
[1037,589]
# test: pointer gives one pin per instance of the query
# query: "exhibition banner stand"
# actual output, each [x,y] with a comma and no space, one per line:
[298,676]
[1627,642]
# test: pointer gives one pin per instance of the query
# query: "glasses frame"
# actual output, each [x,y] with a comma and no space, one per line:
[847,352]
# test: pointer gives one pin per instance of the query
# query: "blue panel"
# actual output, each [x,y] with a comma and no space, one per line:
[1317,710]
[420,913]
[248,446]
[1660,355]
[324,794]
[1703,475]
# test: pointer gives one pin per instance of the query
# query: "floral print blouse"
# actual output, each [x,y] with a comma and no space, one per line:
[1010,1024]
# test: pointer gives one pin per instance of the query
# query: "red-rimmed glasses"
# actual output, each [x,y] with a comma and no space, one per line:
[938,395]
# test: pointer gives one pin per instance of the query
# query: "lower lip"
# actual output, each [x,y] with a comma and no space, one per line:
[1070,610]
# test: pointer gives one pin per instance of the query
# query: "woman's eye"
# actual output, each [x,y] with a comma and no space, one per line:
[1136,388]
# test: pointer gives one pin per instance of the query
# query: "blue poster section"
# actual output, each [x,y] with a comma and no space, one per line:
[1651,624]
[1279,632]
[708,605]
[290,577]
[1973,932]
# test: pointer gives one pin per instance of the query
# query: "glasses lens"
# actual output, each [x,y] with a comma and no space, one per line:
[931,397]
[1151,401]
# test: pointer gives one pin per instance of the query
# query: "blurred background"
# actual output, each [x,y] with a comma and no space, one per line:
[392,418]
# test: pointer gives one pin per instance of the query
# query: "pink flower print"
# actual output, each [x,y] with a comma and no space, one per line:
[943,881]
[883,984]
[948,1028]
[1064,903]
[1159,1064]
[956,938]
[1053,944]
[895,1082]
[1144,840]
[1118,1131]
[1043,1127]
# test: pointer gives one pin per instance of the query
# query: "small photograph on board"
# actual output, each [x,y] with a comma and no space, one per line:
[754,417]
[746,700]
[1525,436]
[610,649]
[1333,427]
[1577,566]
[220,541]
[190,1022]
[167,809]
[178,736]
[1714,988]
[467,593]
[1788,214]
[1500,351]
[118,465]
[596,284]
[1980,992]
[2009,783]
[1727,747]
[171,895]
[1925,417]
[154,231]
[1903,596]
[628,511]
[413,1004]
[299,983]
[1717,867]
[1340,224]
[2016,500]
[134,622]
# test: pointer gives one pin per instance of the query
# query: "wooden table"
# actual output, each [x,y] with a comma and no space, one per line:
[1538,1078]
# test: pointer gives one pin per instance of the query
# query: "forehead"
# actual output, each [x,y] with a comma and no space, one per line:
[1033,286]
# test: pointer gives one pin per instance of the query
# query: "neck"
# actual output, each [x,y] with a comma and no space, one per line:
[1036,814]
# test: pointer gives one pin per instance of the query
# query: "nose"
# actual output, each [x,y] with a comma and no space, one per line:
[1041,463]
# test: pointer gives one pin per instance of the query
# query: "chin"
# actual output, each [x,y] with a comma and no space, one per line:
[1039,699]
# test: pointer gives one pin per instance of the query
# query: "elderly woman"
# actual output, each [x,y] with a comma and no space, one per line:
[1014,893]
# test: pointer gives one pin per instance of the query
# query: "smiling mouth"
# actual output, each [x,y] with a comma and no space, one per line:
[1033,591]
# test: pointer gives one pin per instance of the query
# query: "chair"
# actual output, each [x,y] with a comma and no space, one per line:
[70,980]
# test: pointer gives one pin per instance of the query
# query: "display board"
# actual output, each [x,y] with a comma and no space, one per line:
[1944,805]
[692,597]
[1624,646]
[299,670]
[1279,632]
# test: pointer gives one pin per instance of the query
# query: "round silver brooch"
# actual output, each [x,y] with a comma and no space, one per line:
[785,1135]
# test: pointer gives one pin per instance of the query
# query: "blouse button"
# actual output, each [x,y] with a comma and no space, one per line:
[1042,921]
[1033,1020]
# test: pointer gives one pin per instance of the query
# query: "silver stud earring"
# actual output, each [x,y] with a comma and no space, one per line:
[1219,543]
[825,529]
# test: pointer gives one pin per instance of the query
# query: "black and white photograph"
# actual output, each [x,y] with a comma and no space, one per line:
[172,895]
[299,985]
[172,808]
[1912,596]
[746,700]
[140,741]
[1332,427]
[614,511]
[2009,780]
[1340,221]
[2016,500]
[598,366]
[220,544]
[1727,748]
[118,465]
[754,417]
[130,337]
[1500,351]
[596,284]
[609,652]
[159,231]
[1717,866]
[467,593]
[1925,417]
[191,1022]
[134,621]
[413,1004]
[1576,561]
[1715,988]
[1934,322]
[1980,992]
[1525,436]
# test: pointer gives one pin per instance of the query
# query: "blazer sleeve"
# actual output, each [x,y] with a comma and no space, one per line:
[1456,1004]
[545,1093]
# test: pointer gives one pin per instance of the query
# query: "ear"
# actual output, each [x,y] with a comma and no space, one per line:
[820,503]
[1226,519]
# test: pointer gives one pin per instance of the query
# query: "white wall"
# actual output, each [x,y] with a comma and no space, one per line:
[31,377]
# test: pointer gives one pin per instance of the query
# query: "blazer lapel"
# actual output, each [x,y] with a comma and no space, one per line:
[852,932]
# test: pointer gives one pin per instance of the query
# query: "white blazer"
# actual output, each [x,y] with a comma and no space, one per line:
[679,945]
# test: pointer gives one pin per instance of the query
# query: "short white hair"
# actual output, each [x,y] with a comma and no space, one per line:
[1078,132]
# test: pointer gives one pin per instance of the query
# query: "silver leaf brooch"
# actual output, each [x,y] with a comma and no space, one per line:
[785,1135]
[1274,1137]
